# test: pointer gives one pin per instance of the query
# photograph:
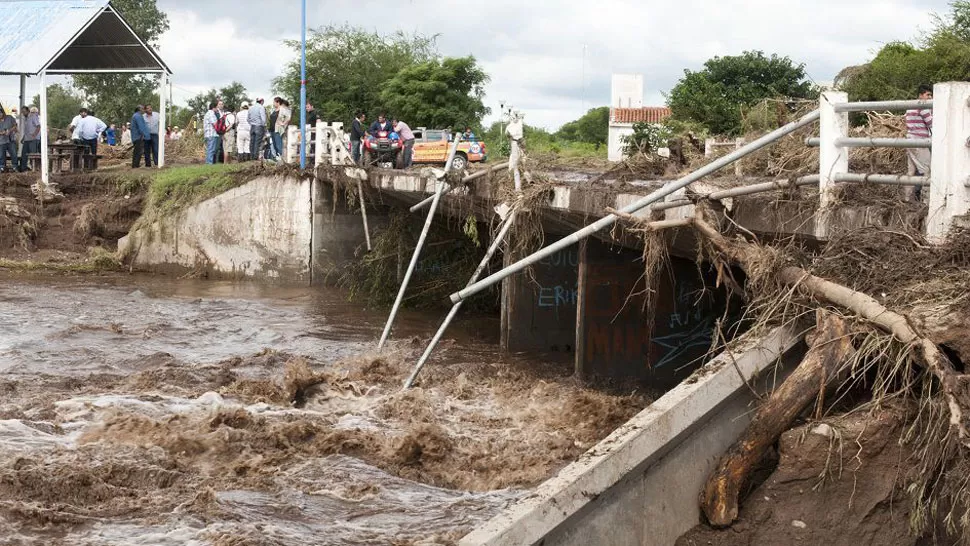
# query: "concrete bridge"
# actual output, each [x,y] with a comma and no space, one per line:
[585,299]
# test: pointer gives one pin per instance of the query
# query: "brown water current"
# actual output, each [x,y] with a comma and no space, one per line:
[138,410]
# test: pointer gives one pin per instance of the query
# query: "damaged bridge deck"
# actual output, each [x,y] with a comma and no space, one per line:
[571,200]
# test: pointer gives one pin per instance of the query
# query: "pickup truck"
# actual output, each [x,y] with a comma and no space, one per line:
[431,146]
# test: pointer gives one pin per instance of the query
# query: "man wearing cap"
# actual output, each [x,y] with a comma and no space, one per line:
[257,128]
[242,132]
[31,142]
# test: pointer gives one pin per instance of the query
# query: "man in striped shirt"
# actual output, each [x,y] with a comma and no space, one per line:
[919,124]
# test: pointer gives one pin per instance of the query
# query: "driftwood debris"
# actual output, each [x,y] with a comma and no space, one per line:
[717,500]
[830,347]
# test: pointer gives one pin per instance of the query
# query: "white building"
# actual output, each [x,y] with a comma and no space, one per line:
[626,108]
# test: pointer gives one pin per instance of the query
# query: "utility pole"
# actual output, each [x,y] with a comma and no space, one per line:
[303,89]
[584,78]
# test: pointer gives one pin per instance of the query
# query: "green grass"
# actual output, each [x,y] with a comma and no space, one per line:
[177,187]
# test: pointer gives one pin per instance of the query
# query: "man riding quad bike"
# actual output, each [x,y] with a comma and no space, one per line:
[384,148]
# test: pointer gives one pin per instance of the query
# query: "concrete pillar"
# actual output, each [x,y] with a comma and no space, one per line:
[162,119]
[291,153]
[337,230]
[949,194]
[738,144]
[614,339]
[321,141]
[832,159]
[539,310]
[45,168]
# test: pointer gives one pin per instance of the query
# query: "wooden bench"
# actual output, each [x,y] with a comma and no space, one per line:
[55,160]
[91,162]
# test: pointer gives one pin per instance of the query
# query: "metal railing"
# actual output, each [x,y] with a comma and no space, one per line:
[874,142]
[657,195]
[840,141]
[890,105]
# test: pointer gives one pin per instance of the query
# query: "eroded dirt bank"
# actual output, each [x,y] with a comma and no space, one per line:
[144,411]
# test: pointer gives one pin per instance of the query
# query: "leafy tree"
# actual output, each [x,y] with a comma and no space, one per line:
[438,93]
[899,68]
[180,116]
[347,68]
[63,103]
[593,127]
[233,95]
[114,96]
[646,138]
[716,96]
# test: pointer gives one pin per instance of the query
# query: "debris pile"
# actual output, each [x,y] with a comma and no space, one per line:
[882,383]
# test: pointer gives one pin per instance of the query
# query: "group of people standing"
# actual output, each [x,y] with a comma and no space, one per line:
[143,130]
[246,129]
[25,131]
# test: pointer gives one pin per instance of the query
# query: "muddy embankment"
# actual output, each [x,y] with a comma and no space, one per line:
[95,211]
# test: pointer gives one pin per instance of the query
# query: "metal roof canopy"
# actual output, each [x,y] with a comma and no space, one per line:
[70,37]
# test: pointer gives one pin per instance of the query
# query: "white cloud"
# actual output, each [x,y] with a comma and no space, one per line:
[533,50]
[212,52]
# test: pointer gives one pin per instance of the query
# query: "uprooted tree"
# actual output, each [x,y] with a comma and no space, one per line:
[885,349]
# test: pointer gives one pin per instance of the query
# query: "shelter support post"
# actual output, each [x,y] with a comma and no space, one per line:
[162,121]
[45,168]
[950,163]
[23,93]
[21,112]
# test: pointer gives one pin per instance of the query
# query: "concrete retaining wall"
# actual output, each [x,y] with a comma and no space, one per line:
[639,486]
[260,230]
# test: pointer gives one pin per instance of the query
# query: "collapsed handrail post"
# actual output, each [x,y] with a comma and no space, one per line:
[506,225]
[420,245]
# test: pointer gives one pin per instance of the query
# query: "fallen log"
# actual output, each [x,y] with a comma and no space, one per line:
[830,347]
[952,384]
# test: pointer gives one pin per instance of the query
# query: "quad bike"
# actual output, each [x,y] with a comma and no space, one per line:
[384,150]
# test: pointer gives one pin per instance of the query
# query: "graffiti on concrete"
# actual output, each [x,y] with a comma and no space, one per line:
[688,328]
[564,258]
[557,296]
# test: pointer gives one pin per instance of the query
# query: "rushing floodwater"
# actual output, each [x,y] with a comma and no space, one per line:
[149,411]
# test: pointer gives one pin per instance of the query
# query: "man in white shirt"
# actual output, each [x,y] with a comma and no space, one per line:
[89,128]
[75,136]
[242,132]
[151,147]
[229,137]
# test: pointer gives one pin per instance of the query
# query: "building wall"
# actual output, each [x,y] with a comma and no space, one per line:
[615,144]
[627,91]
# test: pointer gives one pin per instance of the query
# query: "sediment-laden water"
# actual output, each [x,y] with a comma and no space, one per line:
[148,411]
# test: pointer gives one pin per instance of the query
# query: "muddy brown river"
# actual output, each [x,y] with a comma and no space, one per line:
[140,410]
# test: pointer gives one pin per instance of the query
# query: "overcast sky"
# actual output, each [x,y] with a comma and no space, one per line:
[533,51]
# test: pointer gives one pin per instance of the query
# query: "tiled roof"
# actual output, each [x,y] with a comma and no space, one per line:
[648,114]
